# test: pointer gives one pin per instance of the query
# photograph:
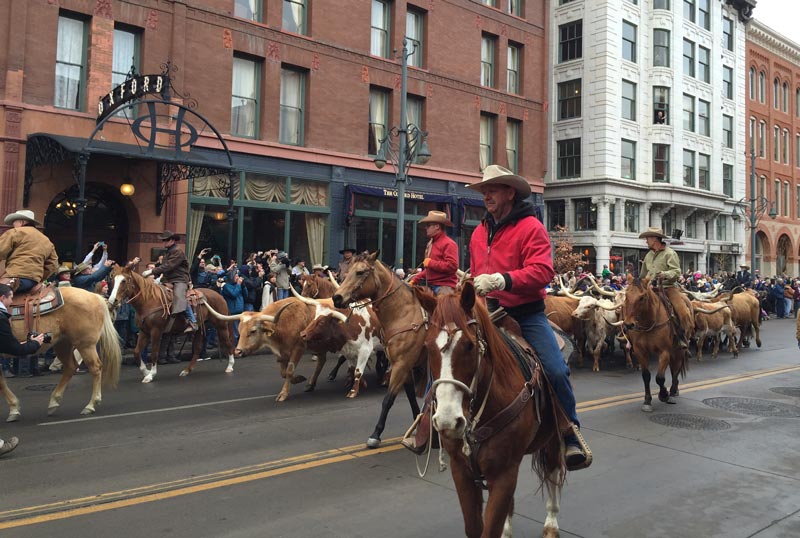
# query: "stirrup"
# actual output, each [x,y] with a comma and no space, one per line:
[409,439]
[584,448]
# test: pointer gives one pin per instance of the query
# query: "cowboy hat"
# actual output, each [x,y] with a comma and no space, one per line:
[436,217]
[653,232]
[22,214]
[63,269]
[81,267]
[745,266]
[317,266]
[166,235]
[497,175]
[351,250]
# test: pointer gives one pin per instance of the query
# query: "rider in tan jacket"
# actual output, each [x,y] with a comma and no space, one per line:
[29,255]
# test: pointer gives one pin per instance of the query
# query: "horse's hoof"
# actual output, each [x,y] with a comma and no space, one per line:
[87,411]
[671,400]
[595,368]
[229,370]
[331,377]
[352,394]
[298,379]
[13,417]
[147,379]
[281,397]
[52,410]
[373,442]
[183,373]
[647,408]
[310,388]
[550,533]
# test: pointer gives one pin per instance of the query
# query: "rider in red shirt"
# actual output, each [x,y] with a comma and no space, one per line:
[441,255]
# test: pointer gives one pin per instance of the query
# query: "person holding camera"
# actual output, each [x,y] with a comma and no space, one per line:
[280,264]
[86,277]
[201,277]
[88,258]
[232,289]
[10,345]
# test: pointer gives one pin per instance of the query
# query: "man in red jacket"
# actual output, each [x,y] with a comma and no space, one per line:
[441,255]
[512,262]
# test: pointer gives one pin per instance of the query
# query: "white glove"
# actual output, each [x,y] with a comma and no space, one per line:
[487,283]
[147,272]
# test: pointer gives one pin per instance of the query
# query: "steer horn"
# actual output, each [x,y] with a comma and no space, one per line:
[333,280]
[600,290]
[307,300]
[611,308]
[217,315]
[704,311]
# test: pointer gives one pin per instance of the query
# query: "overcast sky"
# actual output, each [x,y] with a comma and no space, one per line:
[783,16]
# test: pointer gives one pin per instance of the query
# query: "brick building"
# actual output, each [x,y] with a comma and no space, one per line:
[301,92]
[773,133]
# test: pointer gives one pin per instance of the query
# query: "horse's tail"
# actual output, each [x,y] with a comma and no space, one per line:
[109,349]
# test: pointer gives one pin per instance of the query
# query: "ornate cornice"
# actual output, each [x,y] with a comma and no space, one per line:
[764,36]
[744,7]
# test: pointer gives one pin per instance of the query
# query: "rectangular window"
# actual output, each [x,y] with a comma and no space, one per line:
[244,97]
[512,145]
[776,143]
[722,228]
[797,202]
[797,150]
[688,113]
[612,216]
[569,99]
[512,68]
[570,41]
[379,29]
[661,163]
[785,151]
[415,28]
[556,214]
[661,4]
[762,140]
[487,60]
[414,109]
[585,215]
[628,41]
[515,7]
[727,180]
[569,158]
[688,10]
[661,105]
[778,196]
[688,168]
[727,130]
[786,195]
[247,9]
[70,63]
[727,81]
[631,217]
[487,140]
[688,58]
[628,164]
[704,14]
[704,171]
[661,48]
[294,16]
[690,223]
[704,64]
[293,83]
[703,118]
[628,100]
[126,56]
[378,119]
[727,33]
[492,3]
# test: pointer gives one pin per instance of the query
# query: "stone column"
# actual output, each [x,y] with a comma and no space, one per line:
[603,234]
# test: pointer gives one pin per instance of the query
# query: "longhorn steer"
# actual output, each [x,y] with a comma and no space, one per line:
[597,315]
[744,314]
[712,320]
[559,311]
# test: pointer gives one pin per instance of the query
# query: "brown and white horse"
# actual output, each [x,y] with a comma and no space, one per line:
[149,301]
[77,328]
[489,416]
[403,311]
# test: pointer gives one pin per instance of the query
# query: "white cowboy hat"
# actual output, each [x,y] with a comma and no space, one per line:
[497,175]
[22,214]
[653,232]
[436,217]
[317,266]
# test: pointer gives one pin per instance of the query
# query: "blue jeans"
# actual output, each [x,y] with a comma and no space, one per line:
[25,284]
[537,332]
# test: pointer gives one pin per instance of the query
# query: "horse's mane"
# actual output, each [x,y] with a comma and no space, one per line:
[425,296]
[148,289]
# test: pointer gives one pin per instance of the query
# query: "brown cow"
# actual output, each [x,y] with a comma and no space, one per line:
[712,320]
[559,310]
[744,314]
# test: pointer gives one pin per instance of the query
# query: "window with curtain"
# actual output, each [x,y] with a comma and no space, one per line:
[414,116]
[415,27]
[293,82]
[515,7]
[688,168]
[488,43]
[628,164]
[629,100]
[265,188]
[628,41]
[70,63]
[512,145]
[512,68]
[661,48]
[762,187]
[244,97]
[704,171]
[247,9]
[486,140]
[294,16]
[379,31]
[125,56]
[661,163]
[378,118]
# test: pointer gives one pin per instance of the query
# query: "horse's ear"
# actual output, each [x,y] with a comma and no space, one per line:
[468,296]
[374,256]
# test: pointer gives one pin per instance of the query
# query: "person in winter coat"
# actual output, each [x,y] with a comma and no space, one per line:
[515,275]
[233,292]
[441,255]
[280,264]
[253,281]
[199,273]
[29,255]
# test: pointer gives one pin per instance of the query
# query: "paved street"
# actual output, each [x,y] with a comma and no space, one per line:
[213,455]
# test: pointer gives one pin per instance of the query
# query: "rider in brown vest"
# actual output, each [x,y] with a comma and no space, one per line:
[175,270]
[29,255]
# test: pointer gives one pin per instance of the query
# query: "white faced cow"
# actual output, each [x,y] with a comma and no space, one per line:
[598,316]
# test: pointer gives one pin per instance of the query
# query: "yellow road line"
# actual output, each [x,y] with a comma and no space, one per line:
[177,488]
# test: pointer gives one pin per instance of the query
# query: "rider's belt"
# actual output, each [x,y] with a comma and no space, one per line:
[525,309]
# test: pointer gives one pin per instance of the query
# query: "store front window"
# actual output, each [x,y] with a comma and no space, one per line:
[624,260]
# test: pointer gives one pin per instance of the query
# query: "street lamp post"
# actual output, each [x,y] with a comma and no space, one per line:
[758,206]
[410,146]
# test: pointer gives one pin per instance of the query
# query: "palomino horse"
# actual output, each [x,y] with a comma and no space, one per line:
[403,312]
[77,327]
[489,416]
[649,331]
[152,316]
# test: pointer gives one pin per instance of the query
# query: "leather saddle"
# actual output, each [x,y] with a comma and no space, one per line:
[193,296]
[38,301]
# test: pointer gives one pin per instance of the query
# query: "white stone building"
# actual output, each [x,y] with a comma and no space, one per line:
[617,165]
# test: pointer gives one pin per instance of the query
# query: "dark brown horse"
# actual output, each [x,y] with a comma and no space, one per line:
[489,416]
[151,303]
[403,312]
[648,329]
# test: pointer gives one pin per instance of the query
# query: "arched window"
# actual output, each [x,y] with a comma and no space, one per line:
[776,84]
[776,133]
[786,195]
[762,81]
[753,85]
[762,139]
[785,96]
[785,146]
